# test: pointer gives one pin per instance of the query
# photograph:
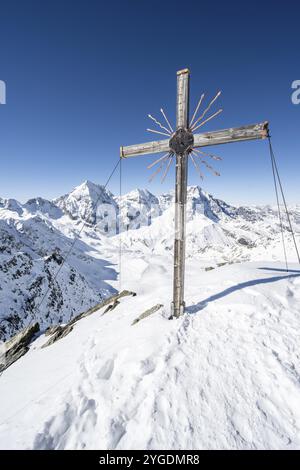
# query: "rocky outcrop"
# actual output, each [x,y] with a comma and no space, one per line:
[17,346]
[56,333]
[147,313]
[110,303]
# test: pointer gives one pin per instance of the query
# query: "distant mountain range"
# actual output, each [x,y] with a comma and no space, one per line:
[36,236]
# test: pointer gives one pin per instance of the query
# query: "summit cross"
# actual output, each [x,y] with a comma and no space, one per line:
[181,143]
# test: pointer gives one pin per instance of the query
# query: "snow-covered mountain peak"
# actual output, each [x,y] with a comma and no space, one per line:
[197,191]
[200,201]
[11,205]
[41,205]
[83,200]
[92,191]
[141,196]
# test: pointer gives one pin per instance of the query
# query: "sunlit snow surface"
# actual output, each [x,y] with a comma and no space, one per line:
[225,375]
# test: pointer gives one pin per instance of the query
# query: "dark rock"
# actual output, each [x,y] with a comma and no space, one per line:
[59,331]
[104,303]
[52,329]
[111,306]
[246,242]
[243,241]
[147,313]
[17,346]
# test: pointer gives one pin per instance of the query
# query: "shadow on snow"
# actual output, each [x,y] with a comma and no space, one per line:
[281,270]
[242,285]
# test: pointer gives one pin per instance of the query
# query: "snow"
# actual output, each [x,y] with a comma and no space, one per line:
[226,375]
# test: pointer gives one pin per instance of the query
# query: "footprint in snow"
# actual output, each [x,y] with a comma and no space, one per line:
[106,370]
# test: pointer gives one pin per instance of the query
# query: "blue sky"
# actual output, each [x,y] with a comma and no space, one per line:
[81,78]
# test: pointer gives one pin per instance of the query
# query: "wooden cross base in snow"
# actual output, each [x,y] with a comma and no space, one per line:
[181,143]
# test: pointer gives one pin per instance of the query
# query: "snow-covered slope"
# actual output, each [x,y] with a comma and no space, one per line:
[137,209]
[224,376]
[31,253]
[36,236]
[216,232]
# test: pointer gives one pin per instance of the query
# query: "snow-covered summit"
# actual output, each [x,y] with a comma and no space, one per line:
[40,205]
[200,201]
[140,196]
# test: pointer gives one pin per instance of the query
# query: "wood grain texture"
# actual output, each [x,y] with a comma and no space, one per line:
[227,136]
[181,174]
[144,149]
[224,136]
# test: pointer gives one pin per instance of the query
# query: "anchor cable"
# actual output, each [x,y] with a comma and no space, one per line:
[76,238]
[119,225]
[279,212]
[276,174]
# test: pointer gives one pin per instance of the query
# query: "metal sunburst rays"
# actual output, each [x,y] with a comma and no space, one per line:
[197,157]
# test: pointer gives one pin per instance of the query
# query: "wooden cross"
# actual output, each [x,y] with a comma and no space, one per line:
[181,143]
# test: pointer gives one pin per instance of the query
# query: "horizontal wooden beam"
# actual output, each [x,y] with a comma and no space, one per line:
[224,136]
[144,149]
[227,136]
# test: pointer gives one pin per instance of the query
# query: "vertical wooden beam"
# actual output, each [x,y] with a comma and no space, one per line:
[183,90]
[182,121]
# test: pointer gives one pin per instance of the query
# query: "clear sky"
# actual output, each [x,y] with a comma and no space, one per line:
[81,77]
